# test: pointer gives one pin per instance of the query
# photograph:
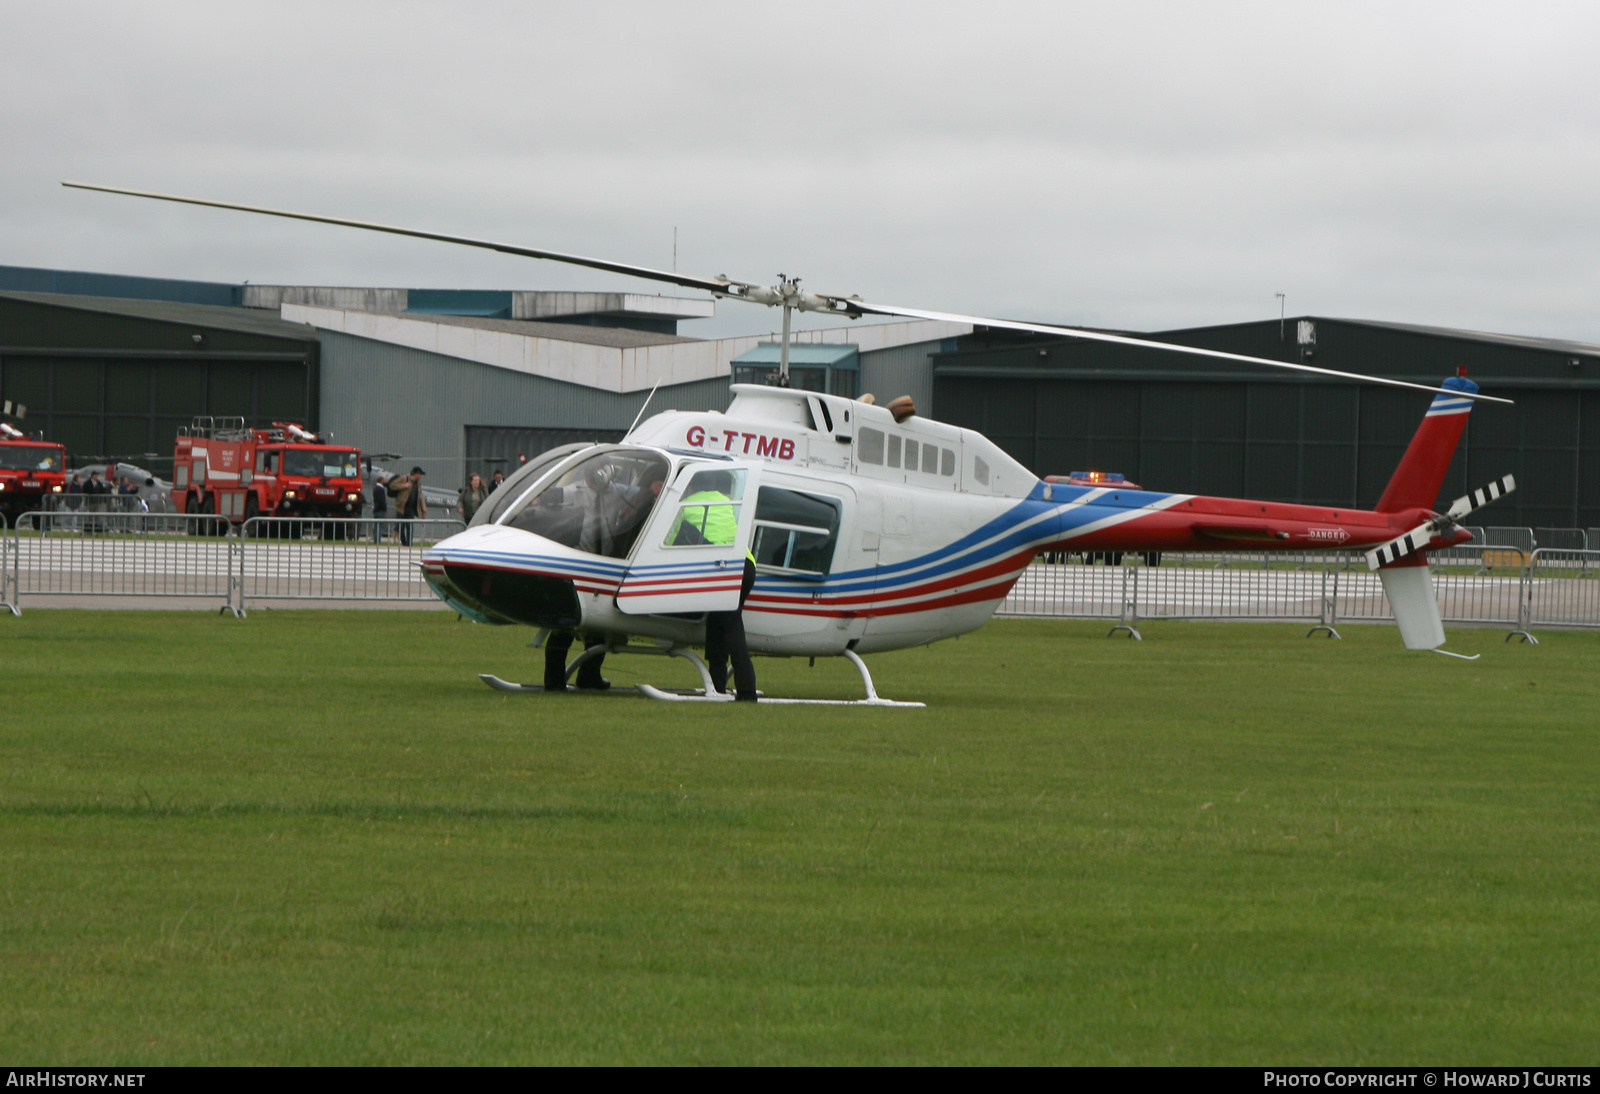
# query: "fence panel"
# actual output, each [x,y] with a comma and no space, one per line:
[1068,590]
[348,559]
[122,554]
[1521,539]
[1566,539]
[1474,584]
[1563,588]
[1244,585]
[8,567]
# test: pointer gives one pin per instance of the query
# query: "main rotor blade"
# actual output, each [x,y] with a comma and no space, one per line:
[733,289]
[1145,343]
[708,284]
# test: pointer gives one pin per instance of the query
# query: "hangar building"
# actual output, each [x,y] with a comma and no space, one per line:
[1190,425]
[458,380]
[451,380]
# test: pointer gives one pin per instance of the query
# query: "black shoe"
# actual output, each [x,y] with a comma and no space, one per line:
[559,684]
[741,697]
[599,683]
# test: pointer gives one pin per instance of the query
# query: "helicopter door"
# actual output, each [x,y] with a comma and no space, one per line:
[691,557]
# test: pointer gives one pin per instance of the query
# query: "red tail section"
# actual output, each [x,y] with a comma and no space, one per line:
[1420,476]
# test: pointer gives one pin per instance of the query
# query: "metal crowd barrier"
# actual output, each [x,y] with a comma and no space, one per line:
[1562,589]
[284,558]
[122,554]
[1475,583]
[92,553]
[8,568]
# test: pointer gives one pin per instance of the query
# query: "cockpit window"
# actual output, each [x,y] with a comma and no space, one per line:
[503,497]
[599,505]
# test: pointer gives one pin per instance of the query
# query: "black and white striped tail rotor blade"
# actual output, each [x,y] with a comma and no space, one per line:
[1419,537]
[1496,490]
[1398,548]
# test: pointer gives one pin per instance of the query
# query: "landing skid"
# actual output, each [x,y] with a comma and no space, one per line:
[706,694]
[506,685]
[695,697]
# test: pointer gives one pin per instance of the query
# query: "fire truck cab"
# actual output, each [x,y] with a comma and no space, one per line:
[31,469]
[220,467]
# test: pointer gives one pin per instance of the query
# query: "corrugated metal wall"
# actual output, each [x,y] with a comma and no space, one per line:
[118,383]
[389,398]
[1192,426]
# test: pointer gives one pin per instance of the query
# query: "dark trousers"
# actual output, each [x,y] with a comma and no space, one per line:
[555,661]
[725,639]
[410,514]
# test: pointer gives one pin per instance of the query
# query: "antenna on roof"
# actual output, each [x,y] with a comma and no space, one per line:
[639,415]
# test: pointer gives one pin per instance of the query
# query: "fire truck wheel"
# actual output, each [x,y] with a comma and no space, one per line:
[251,511]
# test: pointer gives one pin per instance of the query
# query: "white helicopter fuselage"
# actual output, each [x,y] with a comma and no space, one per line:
[868,534]
[905,564]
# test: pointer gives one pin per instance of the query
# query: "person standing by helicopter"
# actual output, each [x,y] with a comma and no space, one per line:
[719,524]
[472,496]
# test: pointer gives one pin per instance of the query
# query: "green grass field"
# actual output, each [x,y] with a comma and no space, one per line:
[315,837]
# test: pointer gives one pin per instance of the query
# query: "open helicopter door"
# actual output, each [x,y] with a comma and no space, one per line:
[690,557]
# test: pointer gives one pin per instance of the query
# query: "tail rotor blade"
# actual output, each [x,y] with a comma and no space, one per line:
[1398,548]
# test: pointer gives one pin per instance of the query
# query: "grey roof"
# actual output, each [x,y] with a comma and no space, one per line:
[825,353]
[208,316]
[1556,345]
[616,337]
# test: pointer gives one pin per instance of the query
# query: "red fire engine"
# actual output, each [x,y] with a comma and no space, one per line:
[223,468]
[30,470]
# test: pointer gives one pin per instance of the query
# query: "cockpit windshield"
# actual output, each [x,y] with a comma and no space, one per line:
[599,505]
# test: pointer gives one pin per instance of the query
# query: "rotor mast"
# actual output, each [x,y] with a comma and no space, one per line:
[788,287]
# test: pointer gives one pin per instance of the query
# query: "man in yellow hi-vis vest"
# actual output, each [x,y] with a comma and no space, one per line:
[709,516]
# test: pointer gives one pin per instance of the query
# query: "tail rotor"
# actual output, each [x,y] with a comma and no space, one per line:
[1420,536]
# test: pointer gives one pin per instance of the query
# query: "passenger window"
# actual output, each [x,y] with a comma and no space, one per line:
[980,470]
[708,512]
[795,532]
[869,445]
[199,472]
[947,463]
[894,450]
[930,460]
[911,455]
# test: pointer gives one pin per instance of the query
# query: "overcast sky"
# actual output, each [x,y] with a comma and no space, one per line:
[1142,166]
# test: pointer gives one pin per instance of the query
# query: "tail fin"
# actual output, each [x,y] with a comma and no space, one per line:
[1420,476]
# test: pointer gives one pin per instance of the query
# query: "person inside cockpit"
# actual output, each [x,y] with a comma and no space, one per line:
[598,506]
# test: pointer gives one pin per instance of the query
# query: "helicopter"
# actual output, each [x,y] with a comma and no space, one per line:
[872,528]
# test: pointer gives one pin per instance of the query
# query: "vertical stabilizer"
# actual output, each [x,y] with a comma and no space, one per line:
[1409,588]
[1420,476]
